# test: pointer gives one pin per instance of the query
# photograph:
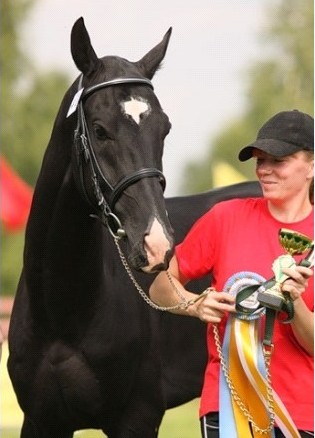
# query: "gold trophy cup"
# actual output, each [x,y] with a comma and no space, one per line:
[294,243]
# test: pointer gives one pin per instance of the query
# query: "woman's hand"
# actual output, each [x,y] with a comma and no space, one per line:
[298,281]
[213,306]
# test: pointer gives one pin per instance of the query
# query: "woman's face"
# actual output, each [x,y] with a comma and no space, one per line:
[284,178]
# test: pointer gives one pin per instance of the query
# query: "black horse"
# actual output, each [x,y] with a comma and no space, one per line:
[86,351]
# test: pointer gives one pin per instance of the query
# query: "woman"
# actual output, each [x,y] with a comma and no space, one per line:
[239,239]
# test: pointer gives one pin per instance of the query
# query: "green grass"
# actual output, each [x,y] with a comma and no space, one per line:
[181,422]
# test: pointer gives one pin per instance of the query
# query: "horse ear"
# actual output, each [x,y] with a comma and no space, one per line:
[81,49]
[150,63]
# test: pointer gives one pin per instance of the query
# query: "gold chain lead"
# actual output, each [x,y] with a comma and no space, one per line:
[236,397]
[183,305]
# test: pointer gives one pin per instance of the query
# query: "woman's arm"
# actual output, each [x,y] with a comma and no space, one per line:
[303,326]
[303,321]
[209,309]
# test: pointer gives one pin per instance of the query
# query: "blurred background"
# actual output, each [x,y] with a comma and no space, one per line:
[230,65]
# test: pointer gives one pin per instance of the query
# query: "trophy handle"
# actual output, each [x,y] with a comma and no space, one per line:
[308,262]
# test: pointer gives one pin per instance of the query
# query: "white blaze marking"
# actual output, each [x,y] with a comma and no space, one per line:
[134,108]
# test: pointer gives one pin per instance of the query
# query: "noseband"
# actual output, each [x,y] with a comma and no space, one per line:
[84,151]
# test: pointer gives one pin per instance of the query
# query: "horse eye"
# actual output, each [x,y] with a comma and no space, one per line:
[100,132]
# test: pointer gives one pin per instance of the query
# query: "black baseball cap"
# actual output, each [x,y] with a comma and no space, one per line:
[284,134]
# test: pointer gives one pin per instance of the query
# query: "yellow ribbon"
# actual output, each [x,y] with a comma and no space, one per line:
[252,387]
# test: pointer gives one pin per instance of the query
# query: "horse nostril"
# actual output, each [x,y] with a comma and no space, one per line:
[142,259]
[138,261]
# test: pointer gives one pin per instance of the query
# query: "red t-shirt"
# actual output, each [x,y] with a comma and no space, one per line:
[241,235]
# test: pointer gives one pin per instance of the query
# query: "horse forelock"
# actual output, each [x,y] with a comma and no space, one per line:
[112,67]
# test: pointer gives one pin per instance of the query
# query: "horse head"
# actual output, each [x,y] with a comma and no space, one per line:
[118,147]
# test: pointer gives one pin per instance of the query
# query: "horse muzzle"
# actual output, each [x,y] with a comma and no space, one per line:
[155,252]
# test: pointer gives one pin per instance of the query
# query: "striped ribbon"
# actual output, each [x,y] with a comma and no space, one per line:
[244,359]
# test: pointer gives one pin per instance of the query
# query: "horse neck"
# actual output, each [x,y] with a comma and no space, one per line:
[63,262]
[61,238]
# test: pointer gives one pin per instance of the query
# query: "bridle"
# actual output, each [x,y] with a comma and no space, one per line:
[83,148]
[106,195]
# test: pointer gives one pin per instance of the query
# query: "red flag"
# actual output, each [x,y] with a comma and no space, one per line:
[16,198]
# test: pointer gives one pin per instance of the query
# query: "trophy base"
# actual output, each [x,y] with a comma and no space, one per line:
[271,300]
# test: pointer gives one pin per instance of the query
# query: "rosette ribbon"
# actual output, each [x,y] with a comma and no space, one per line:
[248,405]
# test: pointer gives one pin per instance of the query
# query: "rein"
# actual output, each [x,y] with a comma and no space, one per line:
[105,203]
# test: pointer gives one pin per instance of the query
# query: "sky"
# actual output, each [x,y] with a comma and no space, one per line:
[202,84]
